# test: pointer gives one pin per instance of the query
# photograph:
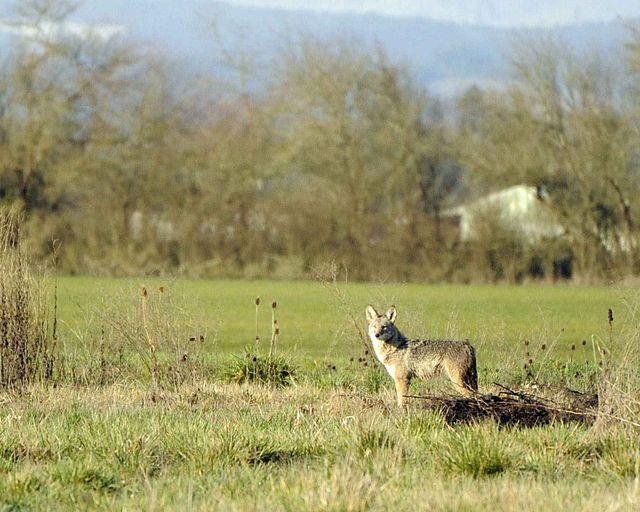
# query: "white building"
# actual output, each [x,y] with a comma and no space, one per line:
[520,208]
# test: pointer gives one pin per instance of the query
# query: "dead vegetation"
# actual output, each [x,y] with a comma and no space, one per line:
[27,327]
[511,407]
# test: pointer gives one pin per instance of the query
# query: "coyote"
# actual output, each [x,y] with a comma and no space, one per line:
[405,359]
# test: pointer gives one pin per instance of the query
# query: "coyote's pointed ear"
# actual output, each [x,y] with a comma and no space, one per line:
[391,314]
[371,313]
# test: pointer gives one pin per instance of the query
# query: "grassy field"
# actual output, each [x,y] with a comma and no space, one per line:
[313,324]
[332,439]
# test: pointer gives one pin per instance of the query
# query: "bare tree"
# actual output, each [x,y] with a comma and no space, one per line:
[561,128]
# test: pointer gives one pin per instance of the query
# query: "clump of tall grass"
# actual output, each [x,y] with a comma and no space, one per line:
[252,368]
[476,451]
[151,326]
[27,325]
[619,401]
[370,441]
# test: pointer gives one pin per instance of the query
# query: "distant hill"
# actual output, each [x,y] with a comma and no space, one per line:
[445,56]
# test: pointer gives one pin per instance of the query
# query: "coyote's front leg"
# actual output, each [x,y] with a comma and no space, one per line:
[402,386]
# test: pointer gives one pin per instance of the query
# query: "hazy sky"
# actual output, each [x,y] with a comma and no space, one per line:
[493,12]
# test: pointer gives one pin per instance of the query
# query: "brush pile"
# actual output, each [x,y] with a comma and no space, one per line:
[510,407]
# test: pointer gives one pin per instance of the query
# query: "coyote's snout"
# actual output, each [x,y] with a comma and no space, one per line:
[405,359]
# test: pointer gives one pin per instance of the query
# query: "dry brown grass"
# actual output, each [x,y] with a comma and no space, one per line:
[27,325]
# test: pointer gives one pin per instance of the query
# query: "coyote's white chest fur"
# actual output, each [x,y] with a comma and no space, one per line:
[381,349]
[383,352]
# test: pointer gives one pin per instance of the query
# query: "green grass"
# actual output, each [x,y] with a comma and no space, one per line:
[226,447]
[312,325]
[331,438]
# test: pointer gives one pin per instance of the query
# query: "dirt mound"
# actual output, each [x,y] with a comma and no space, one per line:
[510,407]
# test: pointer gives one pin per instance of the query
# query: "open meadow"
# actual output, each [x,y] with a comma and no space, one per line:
[154,405]
[234,234]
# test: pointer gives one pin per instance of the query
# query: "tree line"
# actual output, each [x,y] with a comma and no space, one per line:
[123,162]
